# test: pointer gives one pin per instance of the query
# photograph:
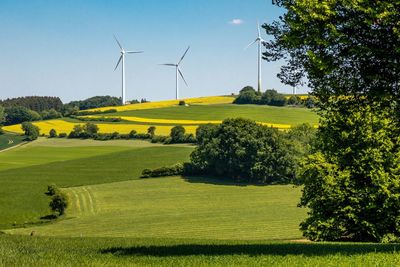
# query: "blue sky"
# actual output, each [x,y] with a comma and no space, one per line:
[66,48]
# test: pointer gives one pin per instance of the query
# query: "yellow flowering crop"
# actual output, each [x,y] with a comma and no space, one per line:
[168,103]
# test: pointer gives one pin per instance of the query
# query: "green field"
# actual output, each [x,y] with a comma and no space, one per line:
[25,172]
[115,218]
[279,115]
[50,251]
[9,140]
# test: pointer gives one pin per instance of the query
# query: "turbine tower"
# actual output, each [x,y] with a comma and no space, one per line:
[260,42]
[178,72]
[122,58]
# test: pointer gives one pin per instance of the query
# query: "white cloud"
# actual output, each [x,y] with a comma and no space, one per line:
[236,22]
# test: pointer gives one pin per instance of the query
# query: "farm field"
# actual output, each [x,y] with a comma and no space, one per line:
[8,140]
[56,251]
[173,207]
[26,171]
[166,114]
[269,114]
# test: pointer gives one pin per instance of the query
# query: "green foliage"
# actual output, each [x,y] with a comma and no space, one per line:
[243,151]
[174,170]
[36,103]
[53,133]
[95,102]
[62,135]
[151,131]
[2,115]
[18,114]
[352,181]
[52,189]
[273,98]
[59,202]
[31,131]
[90,128]
[342,47]
[50,114]
[91,119]
[247,96]
[182,103]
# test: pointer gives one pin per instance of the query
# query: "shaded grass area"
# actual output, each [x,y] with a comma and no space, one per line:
[279,115]
[45,251]
[26,172]
[8,140]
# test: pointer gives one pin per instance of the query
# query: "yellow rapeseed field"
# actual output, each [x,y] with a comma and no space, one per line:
[66,127]
[168,103]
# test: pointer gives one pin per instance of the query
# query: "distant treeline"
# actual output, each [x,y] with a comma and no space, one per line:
[95,102]
[34,108]
[35,103]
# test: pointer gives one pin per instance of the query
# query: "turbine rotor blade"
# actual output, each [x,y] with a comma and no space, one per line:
[120,46]
[120,58]
[258,29]
[172,65]
[134,52]
[184,54]
[250,44]
[183,78]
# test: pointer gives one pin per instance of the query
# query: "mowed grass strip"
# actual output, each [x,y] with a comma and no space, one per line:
[53,251]
[26,173]
[268,114]
[201,208]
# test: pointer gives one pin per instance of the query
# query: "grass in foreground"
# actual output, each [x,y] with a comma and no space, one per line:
[173,207]
[277,115]
[45,251]
[25,172]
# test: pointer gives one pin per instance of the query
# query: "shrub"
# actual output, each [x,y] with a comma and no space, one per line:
[52,133]
[90,129]
[151,131]
[31,131]
[176,169]
[132,134]
[59,202]
[177,134]
[1,131]
[158,139]
[182,103]
[62,135]
[52,189]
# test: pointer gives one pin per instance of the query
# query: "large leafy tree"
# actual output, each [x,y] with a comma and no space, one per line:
[349,54]
[2,115]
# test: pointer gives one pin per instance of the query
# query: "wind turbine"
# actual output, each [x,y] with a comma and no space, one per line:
[178,70]
[122,58]
[260,42]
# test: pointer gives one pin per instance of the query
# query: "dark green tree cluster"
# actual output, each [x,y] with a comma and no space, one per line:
[31,131]
[18,114]
[2,115]
[94,102]
[35,103]
[178,135]
[59,200]
[243,150]
[348,52]
[250,96]
[88,130]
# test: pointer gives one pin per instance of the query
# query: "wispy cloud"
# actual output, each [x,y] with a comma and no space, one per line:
[236,22]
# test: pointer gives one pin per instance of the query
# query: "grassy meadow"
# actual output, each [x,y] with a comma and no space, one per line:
[117,218]
[260,113]
[8,140]
[26,171]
